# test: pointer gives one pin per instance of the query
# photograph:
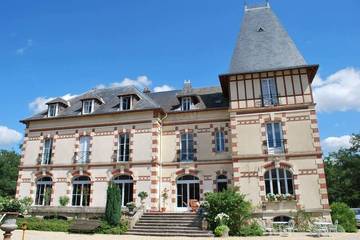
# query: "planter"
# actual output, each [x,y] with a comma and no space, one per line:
[225,233]
[9,224]
[163,209]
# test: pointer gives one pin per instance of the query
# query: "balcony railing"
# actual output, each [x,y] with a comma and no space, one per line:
[83,157]
[269,100]
[275,147]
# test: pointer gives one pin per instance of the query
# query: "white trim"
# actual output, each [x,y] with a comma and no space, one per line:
[56,109]
[92,102]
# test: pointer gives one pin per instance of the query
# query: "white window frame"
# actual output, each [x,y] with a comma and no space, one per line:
[55,111]
[92,103]
[185,150]
[41,188]
[123,156]
[269,97]
[81,184]
[220,141]
[270,179]
[47,151]
[122,182]
[186,104]
[84,148]
[122,98]
[278,145]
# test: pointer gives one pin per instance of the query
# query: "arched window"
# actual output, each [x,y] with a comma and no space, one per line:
[81,191]
[188,188]
[279,181]
[43,191]
[125,184]
[221,182]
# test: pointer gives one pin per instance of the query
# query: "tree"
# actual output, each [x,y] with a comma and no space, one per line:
[113,208]
[9,168]
[342,170]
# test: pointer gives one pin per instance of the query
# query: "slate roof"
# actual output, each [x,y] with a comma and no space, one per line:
[210,97]
[263,43]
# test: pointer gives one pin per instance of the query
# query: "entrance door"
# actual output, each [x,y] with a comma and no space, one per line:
[188,188]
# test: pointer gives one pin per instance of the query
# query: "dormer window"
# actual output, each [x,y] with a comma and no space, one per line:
[125,103]
[53,110]
[88,106]
[186,104]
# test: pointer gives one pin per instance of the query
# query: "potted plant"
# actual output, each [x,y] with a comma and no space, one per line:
[11,208]
[143,196]
[222,230]
[64,200]
[131,206]
[164,196]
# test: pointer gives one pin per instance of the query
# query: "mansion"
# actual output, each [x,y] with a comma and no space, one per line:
[257,131]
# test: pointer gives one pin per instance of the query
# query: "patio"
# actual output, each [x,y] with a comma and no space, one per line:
[36,235]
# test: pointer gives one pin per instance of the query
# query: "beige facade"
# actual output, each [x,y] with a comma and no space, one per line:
[262,147]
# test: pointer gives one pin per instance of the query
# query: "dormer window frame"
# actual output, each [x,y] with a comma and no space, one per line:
[51,111]
[128,99]
[186,103]
[92,105]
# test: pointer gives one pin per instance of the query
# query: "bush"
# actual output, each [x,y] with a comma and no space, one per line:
[143,195]
[252,229]
[345,216]
[10,205]
[302,220]
[231,203]
[53,225]
[219,230]
[105,228]
[113,209]
[64,200]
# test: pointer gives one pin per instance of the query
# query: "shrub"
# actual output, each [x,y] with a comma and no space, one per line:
[302,220]
[131,206]
[340,228]
[143,195]
[231,203]
[345,216]
[105,228]
[113,209]
[10,205]
[252,229]
[64,200]
[51,225]
[219,230]
[25,204]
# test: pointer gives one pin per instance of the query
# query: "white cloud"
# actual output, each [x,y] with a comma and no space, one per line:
[339,91]
[22,50]
[163,88]
[332,144]
[140,82]
[39,104]
[9,136]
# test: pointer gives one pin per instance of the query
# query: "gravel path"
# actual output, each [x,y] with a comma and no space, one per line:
[36,235]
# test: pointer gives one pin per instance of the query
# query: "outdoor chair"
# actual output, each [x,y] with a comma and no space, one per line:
[291,226]
[194,205]
[334,227]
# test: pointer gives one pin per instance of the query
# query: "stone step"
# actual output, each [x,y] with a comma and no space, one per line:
[167,221]
[178,234]
[171,214]
[169,230]
[161,227]
[167,224]
[171,218]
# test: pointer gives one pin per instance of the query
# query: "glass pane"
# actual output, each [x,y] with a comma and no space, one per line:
[282,186]
[269,128]
[277,135]
[221,186]
[179,195]
[290,186]
[267,186]
[275,187]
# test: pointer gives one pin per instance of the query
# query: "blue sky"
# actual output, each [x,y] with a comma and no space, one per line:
[53,48]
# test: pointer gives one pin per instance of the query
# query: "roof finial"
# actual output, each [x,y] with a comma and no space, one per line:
[268,3]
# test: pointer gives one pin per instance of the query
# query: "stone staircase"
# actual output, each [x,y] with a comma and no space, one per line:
[169,225]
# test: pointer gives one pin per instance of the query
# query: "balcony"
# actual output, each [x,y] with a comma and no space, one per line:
[269,100]
[82,157]
[275,147]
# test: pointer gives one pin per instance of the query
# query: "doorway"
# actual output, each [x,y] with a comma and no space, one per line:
[188,187]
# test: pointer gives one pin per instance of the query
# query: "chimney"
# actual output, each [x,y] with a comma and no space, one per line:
[146,90]
[187,86]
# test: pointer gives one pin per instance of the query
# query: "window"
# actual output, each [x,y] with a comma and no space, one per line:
[187,147]
[53,110]
[221,182]
[43,191]
[279,181]
[125,103]
[81,191]
[188,188]
[219,141]
[47,152]
[125,185]
[124,148]
[274,138]
[84,149]
[88,106]
[269,92]
[186,104]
